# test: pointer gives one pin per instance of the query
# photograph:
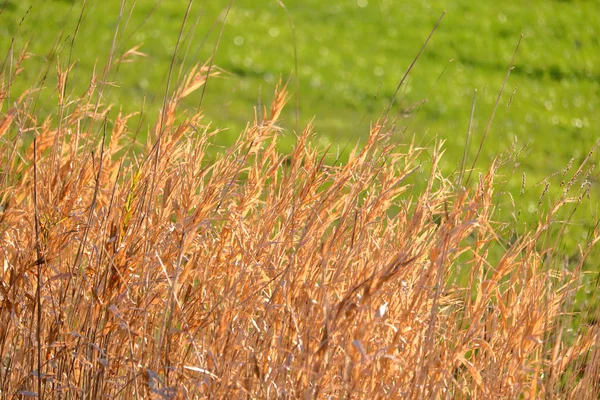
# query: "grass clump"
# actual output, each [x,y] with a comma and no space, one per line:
[163,270]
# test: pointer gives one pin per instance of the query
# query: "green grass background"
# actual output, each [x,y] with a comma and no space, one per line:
[350,56]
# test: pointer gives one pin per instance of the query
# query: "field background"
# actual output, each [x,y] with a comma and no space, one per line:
[350,57]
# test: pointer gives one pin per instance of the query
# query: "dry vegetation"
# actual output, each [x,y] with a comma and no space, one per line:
[167,272]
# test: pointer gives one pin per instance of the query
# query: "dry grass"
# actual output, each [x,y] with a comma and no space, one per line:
[167,273]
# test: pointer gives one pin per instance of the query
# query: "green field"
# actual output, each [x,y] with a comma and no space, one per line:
[350,57]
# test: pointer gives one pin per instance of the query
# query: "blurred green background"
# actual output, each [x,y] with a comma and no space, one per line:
[350,55]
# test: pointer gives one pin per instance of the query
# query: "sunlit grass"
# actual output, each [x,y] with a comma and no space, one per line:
[143,258]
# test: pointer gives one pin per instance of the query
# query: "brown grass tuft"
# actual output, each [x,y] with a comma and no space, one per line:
[166,272]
